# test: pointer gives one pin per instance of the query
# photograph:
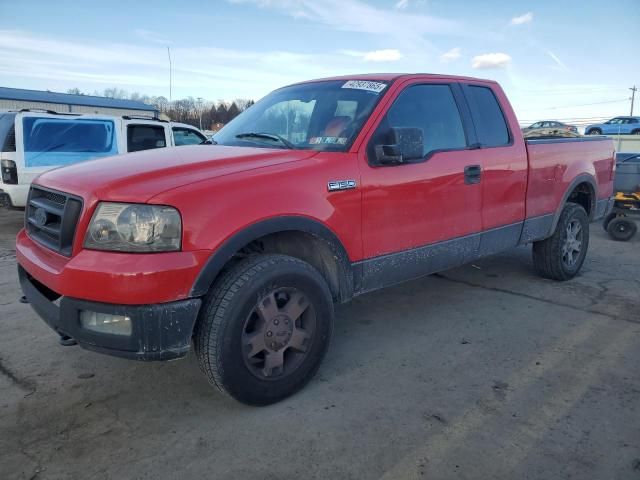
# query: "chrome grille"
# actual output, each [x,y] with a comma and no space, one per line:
[51,218]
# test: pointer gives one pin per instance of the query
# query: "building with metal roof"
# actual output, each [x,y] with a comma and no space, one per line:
[18,99]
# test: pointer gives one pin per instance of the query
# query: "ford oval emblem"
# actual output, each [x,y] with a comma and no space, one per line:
[40,216]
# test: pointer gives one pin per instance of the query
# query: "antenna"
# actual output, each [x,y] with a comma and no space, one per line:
[170,73]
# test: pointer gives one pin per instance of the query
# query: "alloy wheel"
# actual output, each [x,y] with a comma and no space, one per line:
[278,333]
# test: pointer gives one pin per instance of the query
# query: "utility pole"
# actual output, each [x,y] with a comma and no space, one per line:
[170,75]
[200,110]
[634,89]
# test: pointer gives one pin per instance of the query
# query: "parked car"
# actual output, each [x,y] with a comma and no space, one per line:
[549,128]
[319,192]
[34,141]
[615,126]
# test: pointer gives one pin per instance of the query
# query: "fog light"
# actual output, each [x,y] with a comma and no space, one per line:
[105,323]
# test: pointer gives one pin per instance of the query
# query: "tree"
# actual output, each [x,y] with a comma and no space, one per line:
[222,114]
[233,112]
[115,92]
[74,91]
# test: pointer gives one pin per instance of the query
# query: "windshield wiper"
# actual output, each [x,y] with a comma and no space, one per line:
[270,136]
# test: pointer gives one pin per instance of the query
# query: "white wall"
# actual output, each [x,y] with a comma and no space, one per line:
[626,143]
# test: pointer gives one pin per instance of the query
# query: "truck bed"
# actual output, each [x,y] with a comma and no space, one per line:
[554,164]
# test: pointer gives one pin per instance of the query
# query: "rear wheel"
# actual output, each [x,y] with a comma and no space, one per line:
[561,256]
[607,220]
[265,328]
[595,131]
[622,229]
[636,132]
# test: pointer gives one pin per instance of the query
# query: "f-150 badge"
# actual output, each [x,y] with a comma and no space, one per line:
[341,185]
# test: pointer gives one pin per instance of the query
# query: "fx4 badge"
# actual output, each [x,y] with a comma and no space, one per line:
[341,185]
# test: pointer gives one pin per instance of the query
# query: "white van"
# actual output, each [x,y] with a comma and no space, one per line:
[33,142]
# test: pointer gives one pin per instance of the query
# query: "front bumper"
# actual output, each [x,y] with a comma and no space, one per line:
[14,195]
[159,332]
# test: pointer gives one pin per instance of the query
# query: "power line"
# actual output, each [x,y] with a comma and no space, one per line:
[579,105]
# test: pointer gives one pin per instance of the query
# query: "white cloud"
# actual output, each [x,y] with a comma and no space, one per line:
[385,55]
[522,19]
[402,4]
[451,55]
[37,61]
[560,64]
[409,29]
[153,37]
[491,60]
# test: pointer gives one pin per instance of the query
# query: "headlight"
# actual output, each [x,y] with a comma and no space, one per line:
[126,227]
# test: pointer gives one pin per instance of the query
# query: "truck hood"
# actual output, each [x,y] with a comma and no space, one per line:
[137,177]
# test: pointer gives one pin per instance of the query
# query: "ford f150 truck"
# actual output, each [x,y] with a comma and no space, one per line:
[321,191]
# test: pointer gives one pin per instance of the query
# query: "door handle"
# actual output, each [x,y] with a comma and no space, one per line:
[472,174]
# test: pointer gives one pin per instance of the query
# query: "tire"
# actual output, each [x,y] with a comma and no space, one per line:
[636,132]
[622,229]
[607,220]
[241,331]
[595,131]
[561,256]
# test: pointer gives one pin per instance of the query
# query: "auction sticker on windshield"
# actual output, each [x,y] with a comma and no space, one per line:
[376,87]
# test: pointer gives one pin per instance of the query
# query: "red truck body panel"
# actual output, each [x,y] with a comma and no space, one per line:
[553,166]
[222,191]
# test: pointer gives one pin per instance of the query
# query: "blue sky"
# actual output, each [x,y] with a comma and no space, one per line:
[555,59]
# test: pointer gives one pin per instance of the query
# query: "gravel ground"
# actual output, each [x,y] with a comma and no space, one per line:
[486,371]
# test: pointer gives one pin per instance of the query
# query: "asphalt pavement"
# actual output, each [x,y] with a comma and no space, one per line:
[483,372]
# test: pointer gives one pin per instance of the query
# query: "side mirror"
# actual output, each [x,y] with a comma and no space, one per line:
[407,144]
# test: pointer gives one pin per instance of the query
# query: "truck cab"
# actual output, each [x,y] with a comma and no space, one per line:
[33,142]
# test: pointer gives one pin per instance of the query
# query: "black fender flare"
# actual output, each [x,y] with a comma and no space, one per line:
[232,245]
[582,178]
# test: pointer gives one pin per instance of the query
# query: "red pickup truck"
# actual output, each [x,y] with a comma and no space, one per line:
[321,191]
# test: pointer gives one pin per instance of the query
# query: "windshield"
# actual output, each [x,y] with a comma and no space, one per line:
[54,142]
[320,115]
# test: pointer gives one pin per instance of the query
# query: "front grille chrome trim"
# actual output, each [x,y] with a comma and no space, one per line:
[51,218]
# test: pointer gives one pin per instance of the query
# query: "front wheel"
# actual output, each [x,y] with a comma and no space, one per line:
[264,328]
[622,229]
[561,256]
[595,131]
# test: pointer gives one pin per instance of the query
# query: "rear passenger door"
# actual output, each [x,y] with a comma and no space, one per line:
[504,175]
[411,206]
[141,135]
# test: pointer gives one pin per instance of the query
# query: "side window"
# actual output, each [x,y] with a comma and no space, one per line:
[491,126]
[186,136]
[145,137]
[430,108]
[7,132]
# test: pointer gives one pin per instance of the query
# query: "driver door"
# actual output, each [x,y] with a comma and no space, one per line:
[425,214]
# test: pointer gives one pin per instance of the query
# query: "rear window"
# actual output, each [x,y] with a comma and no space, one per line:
[488,119]
[56,142]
